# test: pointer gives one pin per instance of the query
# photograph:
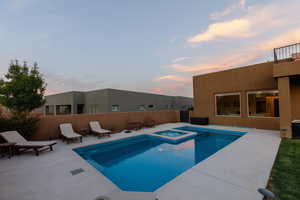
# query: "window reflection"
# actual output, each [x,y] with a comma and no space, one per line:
[263,103]
[228,104]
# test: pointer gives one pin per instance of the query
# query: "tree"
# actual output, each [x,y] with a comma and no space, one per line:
[23,89]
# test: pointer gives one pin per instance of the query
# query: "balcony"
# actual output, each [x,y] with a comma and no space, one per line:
[287,61]
[287,53]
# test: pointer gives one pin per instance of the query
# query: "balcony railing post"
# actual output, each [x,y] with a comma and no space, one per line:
[286,52]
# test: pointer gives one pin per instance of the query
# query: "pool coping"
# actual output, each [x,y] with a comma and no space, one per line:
[188,134]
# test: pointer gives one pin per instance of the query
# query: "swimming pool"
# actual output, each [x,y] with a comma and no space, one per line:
[170,133]
[145,163]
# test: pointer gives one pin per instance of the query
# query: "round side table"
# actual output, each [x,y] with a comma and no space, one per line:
[10,147]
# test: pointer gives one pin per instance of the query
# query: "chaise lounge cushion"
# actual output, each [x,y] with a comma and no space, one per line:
[68,132]
[15,137]
[96,127]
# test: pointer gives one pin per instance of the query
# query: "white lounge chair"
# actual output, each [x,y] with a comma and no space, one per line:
[98,130]
[68,133]
[22,144]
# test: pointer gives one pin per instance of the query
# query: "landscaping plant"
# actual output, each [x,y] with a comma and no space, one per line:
[21,91]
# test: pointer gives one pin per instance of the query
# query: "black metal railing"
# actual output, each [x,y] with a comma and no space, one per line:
[286,52]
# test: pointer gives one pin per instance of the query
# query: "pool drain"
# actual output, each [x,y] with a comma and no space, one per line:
[76,171]
[103,198]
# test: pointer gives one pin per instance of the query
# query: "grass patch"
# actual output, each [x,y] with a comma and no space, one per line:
[285,176]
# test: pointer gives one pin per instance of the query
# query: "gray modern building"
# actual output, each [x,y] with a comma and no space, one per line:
[112,100]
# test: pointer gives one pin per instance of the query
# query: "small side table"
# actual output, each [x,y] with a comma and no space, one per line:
[10,147]
[134,125]
[84,131]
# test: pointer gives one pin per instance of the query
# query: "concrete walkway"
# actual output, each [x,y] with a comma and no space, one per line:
[235,172]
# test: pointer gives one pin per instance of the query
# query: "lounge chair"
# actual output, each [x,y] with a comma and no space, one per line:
[68,133]
[22,144]
[98,130]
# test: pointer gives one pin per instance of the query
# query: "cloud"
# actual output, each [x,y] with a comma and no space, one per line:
[228,10]
[242,56]
[220,63]
[262,27]
[231,29]
[173,85]
[180,59]
[259,19]
[59,83]
[173,78]
[287,38]
[176,89]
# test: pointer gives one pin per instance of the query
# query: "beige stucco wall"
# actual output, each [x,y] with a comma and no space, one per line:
[295,97]
[286,69]
[250,78]
[285,106]
[48,125]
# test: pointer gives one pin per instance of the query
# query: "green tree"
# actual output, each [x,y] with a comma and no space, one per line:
[22,90]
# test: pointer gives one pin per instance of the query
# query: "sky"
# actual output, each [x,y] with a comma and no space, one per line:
[150,46]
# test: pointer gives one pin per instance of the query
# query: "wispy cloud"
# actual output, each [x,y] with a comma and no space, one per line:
[180,59]
[258,19]
[237,28]
[173,78]
[242,56]
[173,85]
[59,83]
[228,10]
[286,38]
[234,59]
[181,89]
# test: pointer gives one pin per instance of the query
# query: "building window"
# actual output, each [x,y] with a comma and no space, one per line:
[49,110]
[93,108]
[228,104]
[115,108]
[80,108]
[63,109]
[151,106]
[142,107]
[263,103]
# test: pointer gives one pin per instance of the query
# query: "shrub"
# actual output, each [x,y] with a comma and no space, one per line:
[21,91]
[25,125]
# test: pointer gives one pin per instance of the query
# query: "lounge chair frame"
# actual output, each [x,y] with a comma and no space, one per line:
[22,145]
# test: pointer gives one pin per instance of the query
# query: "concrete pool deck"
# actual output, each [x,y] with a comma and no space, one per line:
[234,172]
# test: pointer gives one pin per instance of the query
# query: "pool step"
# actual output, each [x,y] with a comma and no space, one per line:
[122,195]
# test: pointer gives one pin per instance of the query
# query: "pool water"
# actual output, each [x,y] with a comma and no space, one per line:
[202,130]
[145,163]
[170,133]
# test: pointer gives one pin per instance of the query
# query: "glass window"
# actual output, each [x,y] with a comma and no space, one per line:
[142,107]
[63,109]
[151,106]
[49,110]
[263,103]
[115,108]
[228,104]
[80,108]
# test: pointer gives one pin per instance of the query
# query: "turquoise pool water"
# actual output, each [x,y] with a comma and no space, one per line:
[145,163]
[202,130]
[170,133]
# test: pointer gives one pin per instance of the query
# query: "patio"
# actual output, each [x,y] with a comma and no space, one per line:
[235,172]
